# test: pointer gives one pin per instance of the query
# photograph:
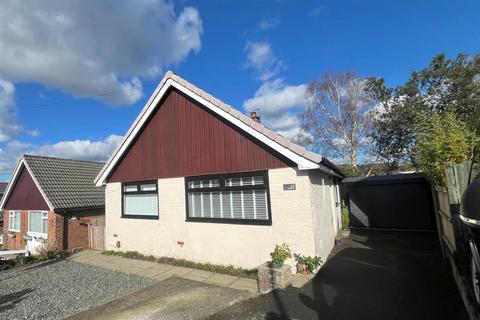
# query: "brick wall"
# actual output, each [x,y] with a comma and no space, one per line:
[76,235]
[77,232]
[17,242]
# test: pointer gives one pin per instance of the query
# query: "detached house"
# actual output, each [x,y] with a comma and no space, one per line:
[52,201]
[196,179]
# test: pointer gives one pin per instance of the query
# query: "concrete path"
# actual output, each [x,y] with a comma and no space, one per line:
[171,299]
[374,275]
[162,271]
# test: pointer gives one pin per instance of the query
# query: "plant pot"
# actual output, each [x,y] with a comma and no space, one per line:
[344,233]
[302,268]
[270,278]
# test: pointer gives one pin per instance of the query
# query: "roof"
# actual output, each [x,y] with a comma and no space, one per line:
[3,186]
[305,159]
[383,179]
[64,183]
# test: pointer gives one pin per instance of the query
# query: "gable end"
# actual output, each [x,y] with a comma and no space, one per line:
[24,193]
[184,138]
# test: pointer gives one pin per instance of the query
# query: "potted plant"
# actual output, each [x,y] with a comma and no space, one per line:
[275,274]
[344,232]
[301,265]
[280,254]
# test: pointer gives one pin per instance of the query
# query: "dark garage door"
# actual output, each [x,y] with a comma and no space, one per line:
[401,201]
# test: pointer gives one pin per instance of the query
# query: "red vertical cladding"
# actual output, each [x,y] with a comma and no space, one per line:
[25,194]
[183,138]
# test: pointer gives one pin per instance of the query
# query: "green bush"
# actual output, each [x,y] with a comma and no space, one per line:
[442,139]
[312,263]
[231,270]
[280,254]
[345,216]
[49,251]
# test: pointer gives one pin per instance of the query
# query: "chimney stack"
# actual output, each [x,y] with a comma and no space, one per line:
[254,116]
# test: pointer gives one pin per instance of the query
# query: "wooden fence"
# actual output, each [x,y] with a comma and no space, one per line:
[444,219]
[96,235]
[453,233]
[447,207]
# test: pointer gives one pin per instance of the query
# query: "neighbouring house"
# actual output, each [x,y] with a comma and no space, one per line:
[196,179]
[3,186]
[52,201]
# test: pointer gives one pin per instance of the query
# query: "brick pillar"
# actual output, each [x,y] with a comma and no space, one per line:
[55,230]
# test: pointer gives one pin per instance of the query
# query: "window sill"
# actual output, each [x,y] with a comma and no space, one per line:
[132,216]
[37,235]
[231,221]
[14,231]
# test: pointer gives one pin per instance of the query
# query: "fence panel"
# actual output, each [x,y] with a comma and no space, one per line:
[97,237]
[445,218]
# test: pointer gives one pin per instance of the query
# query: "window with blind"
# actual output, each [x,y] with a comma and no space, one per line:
[140,200]
[229,198]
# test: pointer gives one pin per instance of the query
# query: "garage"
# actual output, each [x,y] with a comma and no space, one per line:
[402,201]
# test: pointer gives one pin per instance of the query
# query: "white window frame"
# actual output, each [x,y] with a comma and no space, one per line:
[10,220]
[33,233]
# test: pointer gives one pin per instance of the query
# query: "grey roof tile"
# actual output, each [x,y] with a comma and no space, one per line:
[67,183]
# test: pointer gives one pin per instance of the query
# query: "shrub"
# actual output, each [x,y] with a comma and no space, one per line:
[312,263]
[49,251]
[442,139]
[345,216]
[7,264]
[280,254]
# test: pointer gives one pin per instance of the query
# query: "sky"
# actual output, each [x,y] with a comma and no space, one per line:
[75,74]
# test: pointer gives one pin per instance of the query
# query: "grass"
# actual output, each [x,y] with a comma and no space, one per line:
[230,270]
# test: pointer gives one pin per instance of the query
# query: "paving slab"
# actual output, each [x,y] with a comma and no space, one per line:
[171,299]
[161,271]
[222,279]
[245,284]
[178,271]
[202,274]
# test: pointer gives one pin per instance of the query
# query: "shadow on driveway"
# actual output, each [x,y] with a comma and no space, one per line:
[8,301]
[375,274]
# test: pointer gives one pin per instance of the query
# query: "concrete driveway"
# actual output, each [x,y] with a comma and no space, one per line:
[374,275]
[173,298]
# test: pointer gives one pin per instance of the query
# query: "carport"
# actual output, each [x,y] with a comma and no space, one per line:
[402,201]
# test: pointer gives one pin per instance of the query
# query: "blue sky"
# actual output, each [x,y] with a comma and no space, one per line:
[248,53]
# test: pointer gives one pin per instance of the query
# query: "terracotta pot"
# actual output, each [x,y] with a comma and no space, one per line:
[302,268]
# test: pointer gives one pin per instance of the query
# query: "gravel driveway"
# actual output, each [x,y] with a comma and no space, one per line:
[60,289]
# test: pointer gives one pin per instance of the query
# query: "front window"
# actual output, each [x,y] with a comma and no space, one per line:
[235,198]
[38,222]
[14,221]
[140,200]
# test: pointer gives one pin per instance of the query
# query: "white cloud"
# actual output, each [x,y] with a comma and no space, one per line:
[9,125]
[92,47]
[260,58]
[95,150]
[81,149]
[278,106]
[268,23]
[9,154]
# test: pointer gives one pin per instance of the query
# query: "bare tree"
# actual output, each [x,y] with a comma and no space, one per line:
[339,116]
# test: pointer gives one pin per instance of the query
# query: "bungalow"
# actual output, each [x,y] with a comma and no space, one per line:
[52,201]
[196,179]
